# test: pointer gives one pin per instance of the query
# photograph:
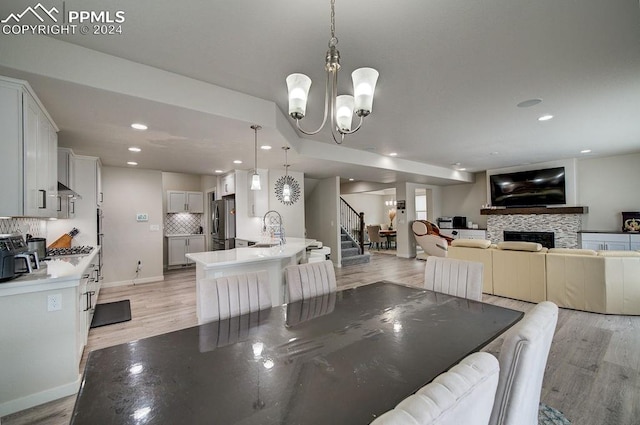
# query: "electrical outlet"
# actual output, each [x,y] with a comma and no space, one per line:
[54,302]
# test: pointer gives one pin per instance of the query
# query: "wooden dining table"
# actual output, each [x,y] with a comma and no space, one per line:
[343,358]
[389,234]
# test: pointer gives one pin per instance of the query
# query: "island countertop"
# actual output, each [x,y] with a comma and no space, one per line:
[252,254]
[59,272]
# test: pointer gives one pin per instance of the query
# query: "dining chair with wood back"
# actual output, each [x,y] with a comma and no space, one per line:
[459,278]
[523,359]
[310,280]
[462,395]
[231,296]
[373,230]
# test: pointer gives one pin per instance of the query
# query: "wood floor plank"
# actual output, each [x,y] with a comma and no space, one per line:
[592,375]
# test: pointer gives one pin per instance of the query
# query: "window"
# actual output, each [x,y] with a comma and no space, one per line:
[421,207]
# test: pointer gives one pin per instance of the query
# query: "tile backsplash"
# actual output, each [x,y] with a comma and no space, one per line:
[33,226]
[182,223]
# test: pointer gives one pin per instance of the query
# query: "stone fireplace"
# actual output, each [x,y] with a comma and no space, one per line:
[565,223]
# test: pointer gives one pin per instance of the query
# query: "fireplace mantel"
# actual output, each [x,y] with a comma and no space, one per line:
[534,210]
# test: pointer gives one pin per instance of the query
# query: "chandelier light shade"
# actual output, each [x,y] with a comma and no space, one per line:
[340,109]
[286,188]
[255,178]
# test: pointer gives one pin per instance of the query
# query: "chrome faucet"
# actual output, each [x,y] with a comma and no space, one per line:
[275,225]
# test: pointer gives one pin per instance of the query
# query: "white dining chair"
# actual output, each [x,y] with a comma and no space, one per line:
[310,280]
[523,358]
[459,278]
[463,395]
[231,296]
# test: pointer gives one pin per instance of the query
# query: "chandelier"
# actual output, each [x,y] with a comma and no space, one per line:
[255,178]
[340,108]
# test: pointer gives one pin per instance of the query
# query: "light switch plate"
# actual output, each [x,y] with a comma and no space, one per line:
[154,228]
[142,217]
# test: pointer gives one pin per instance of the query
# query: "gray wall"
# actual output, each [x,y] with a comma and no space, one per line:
[322,215]
[607,185]
[126,240]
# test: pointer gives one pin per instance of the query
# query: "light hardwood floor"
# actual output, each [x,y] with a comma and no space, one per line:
[593,371]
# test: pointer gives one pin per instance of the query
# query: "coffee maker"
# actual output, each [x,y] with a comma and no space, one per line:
[7,259]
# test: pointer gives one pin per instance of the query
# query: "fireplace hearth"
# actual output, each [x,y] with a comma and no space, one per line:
[546,239]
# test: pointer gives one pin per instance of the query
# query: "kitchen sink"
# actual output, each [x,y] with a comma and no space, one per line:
[265,245]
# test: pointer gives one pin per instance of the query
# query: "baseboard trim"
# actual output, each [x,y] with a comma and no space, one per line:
[22,403]
[133,281]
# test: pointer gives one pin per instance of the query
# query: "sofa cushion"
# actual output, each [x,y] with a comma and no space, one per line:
[520,246]
[619,253]
[472,243]
[572,251]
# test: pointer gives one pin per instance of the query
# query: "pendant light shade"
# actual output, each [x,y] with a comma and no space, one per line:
[298,86]
[255,178]
[364,85]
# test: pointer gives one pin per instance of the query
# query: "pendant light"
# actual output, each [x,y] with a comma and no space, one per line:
[255,178]
[286,189]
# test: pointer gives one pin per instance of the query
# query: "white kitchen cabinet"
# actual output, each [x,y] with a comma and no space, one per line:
[259,199]
[634,242]
[465,233]
[181,201]
[87,293]
[87,171]
[28,153]
[65,176]
[226,185]
[605,241]
[179,246]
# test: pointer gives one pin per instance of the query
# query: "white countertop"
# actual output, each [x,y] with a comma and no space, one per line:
[182,235]
[250,255]
[59,272]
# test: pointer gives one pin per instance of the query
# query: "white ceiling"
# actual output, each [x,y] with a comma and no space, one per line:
[451,75]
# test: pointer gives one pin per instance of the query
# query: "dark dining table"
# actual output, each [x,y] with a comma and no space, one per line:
[343,358]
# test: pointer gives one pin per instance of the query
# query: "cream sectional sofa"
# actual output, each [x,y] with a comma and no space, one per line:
[596,281]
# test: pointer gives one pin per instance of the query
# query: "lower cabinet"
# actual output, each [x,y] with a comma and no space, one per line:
[464,233]
[179,246]
[87,293]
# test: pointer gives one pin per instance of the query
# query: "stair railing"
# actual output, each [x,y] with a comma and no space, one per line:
[353,222]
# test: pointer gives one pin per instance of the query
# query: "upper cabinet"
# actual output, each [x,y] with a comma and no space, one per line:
[28,153]
[226,185]
[181,201]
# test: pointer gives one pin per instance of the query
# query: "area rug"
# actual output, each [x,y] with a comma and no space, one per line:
[111,313]
[547,415]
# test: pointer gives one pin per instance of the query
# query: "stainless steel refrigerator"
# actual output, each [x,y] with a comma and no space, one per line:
[223,223]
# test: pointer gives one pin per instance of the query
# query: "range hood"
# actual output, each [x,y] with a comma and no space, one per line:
[63,190]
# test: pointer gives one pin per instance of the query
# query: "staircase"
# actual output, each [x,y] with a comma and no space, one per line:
[351,250]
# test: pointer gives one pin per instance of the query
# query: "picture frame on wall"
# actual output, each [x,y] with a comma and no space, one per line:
[631,221]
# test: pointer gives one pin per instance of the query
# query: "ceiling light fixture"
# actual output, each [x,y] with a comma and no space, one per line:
[237,161]
[350,180]
[286,188]
[139,126]
[545,117]
[134,149]
[393,154]
[341,108]
[585,151]
[265,147]
[255,178]
[132,163]
[218,171]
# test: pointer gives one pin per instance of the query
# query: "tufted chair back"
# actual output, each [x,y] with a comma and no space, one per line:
[523,358]
[310,280]
[459,278]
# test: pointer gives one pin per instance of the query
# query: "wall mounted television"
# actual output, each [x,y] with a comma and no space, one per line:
[533,188]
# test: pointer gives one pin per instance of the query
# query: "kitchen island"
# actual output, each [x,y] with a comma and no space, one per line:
[45,318]
[242,260]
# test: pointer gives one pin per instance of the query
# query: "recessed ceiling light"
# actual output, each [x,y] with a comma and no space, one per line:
[494,153]
[237,161]
[350,180]
[218,171]
[529,103]
[585,151]
[134,149]
[393,154]
[461,169]
[139,126]
[132,163]
[265,147]
[545,117]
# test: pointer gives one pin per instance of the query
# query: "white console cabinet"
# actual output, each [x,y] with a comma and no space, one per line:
[635,242]
[28,153]
[605,241]
[464,233]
